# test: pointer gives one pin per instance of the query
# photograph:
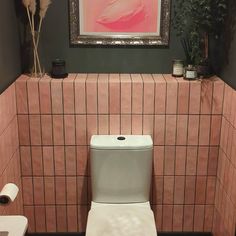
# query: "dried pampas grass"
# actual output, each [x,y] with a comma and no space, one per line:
[31,8]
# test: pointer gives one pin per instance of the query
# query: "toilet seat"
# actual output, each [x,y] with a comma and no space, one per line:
[135,219]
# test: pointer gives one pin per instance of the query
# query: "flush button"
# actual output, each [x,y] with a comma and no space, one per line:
[121,138]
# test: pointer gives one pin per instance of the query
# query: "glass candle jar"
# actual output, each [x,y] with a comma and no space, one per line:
[178,68]
[190,72]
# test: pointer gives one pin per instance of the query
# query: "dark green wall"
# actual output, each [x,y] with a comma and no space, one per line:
[55,44]
[10,66]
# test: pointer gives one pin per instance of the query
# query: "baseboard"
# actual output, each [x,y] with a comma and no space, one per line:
[159,234]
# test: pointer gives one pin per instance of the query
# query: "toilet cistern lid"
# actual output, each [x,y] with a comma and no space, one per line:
[121,142]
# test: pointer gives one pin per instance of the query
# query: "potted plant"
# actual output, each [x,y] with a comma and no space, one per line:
[195,21]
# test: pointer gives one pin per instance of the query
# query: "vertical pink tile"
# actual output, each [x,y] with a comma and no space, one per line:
[215,128]
[48,161]
[160,94]
[190,189]
[180,160]
[178,218]
[82,190]
[70,160]
[168,197]
[167,217]
[210,189]
[82,217]
[59,158]
[38,191]
[61,219]
[81,126]
[80,94]
[194,98]
[179,190]
[206,96]
[202,162]
[171,95]
[114,94]
[204,130]
[29,213]
[193,129]
[148,94]
[137,124]
[82,160]
[21,95]
[182,129]
[114,121]
[191,164]
[137,94]
[50,193]
[200,190]
[24,131]
[213,161]
[103,123]
[51,219]
[157,209]
[198,218]
[126,124]
[92,128]
[27,185]
[188,218]
[159,160]
[69,121]
[68,94]
[46,125]
[58,130]
[72,218]
[169,161]
[91,93]
[40,219]
[60,190]
[126,92]
[158,185]
[57,96]
[170,133]
[35,130]
[218,96]
[26,165]
[45,95]
[159,130]
[183,96]
[148,122]
[37,161]
[208,220]
[71,190]
[103,95]
[33,95]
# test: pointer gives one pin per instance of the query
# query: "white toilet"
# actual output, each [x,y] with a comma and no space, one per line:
[121,169]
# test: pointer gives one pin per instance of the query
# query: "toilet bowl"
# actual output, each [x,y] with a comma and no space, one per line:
[121,168]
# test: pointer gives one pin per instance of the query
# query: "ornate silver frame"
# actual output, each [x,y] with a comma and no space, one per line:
[76,39]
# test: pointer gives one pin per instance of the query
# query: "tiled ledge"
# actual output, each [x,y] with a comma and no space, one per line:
[119,94]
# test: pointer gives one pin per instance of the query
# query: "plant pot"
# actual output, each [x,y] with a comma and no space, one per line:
[204,71]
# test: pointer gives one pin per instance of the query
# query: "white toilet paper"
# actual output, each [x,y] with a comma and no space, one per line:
[8,194]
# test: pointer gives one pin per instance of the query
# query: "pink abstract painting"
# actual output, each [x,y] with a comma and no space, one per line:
[120,16]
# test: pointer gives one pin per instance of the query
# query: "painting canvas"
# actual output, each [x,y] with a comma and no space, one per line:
[119,21]
[114,17]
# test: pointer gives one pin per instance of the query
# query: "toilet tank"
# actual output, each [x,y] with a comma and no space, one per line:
[121,168]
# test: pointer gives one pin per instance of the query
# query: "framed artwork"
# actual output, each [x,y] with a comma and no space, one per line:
[119,22]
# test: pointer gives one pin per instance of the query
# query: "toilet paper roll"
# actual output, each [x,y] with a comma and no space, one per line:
[8,194]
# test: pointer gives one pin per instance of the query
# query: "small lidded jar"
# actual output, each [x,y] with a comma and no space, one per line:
[178,68]
[190,73]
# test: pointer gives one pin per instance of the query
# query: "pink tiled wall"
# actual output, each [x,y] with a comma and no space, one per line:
[57,118]
[225,202]
[9,149]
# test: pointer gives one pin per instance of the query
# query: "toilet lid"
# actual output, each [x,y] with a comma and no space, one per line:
[121,220]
